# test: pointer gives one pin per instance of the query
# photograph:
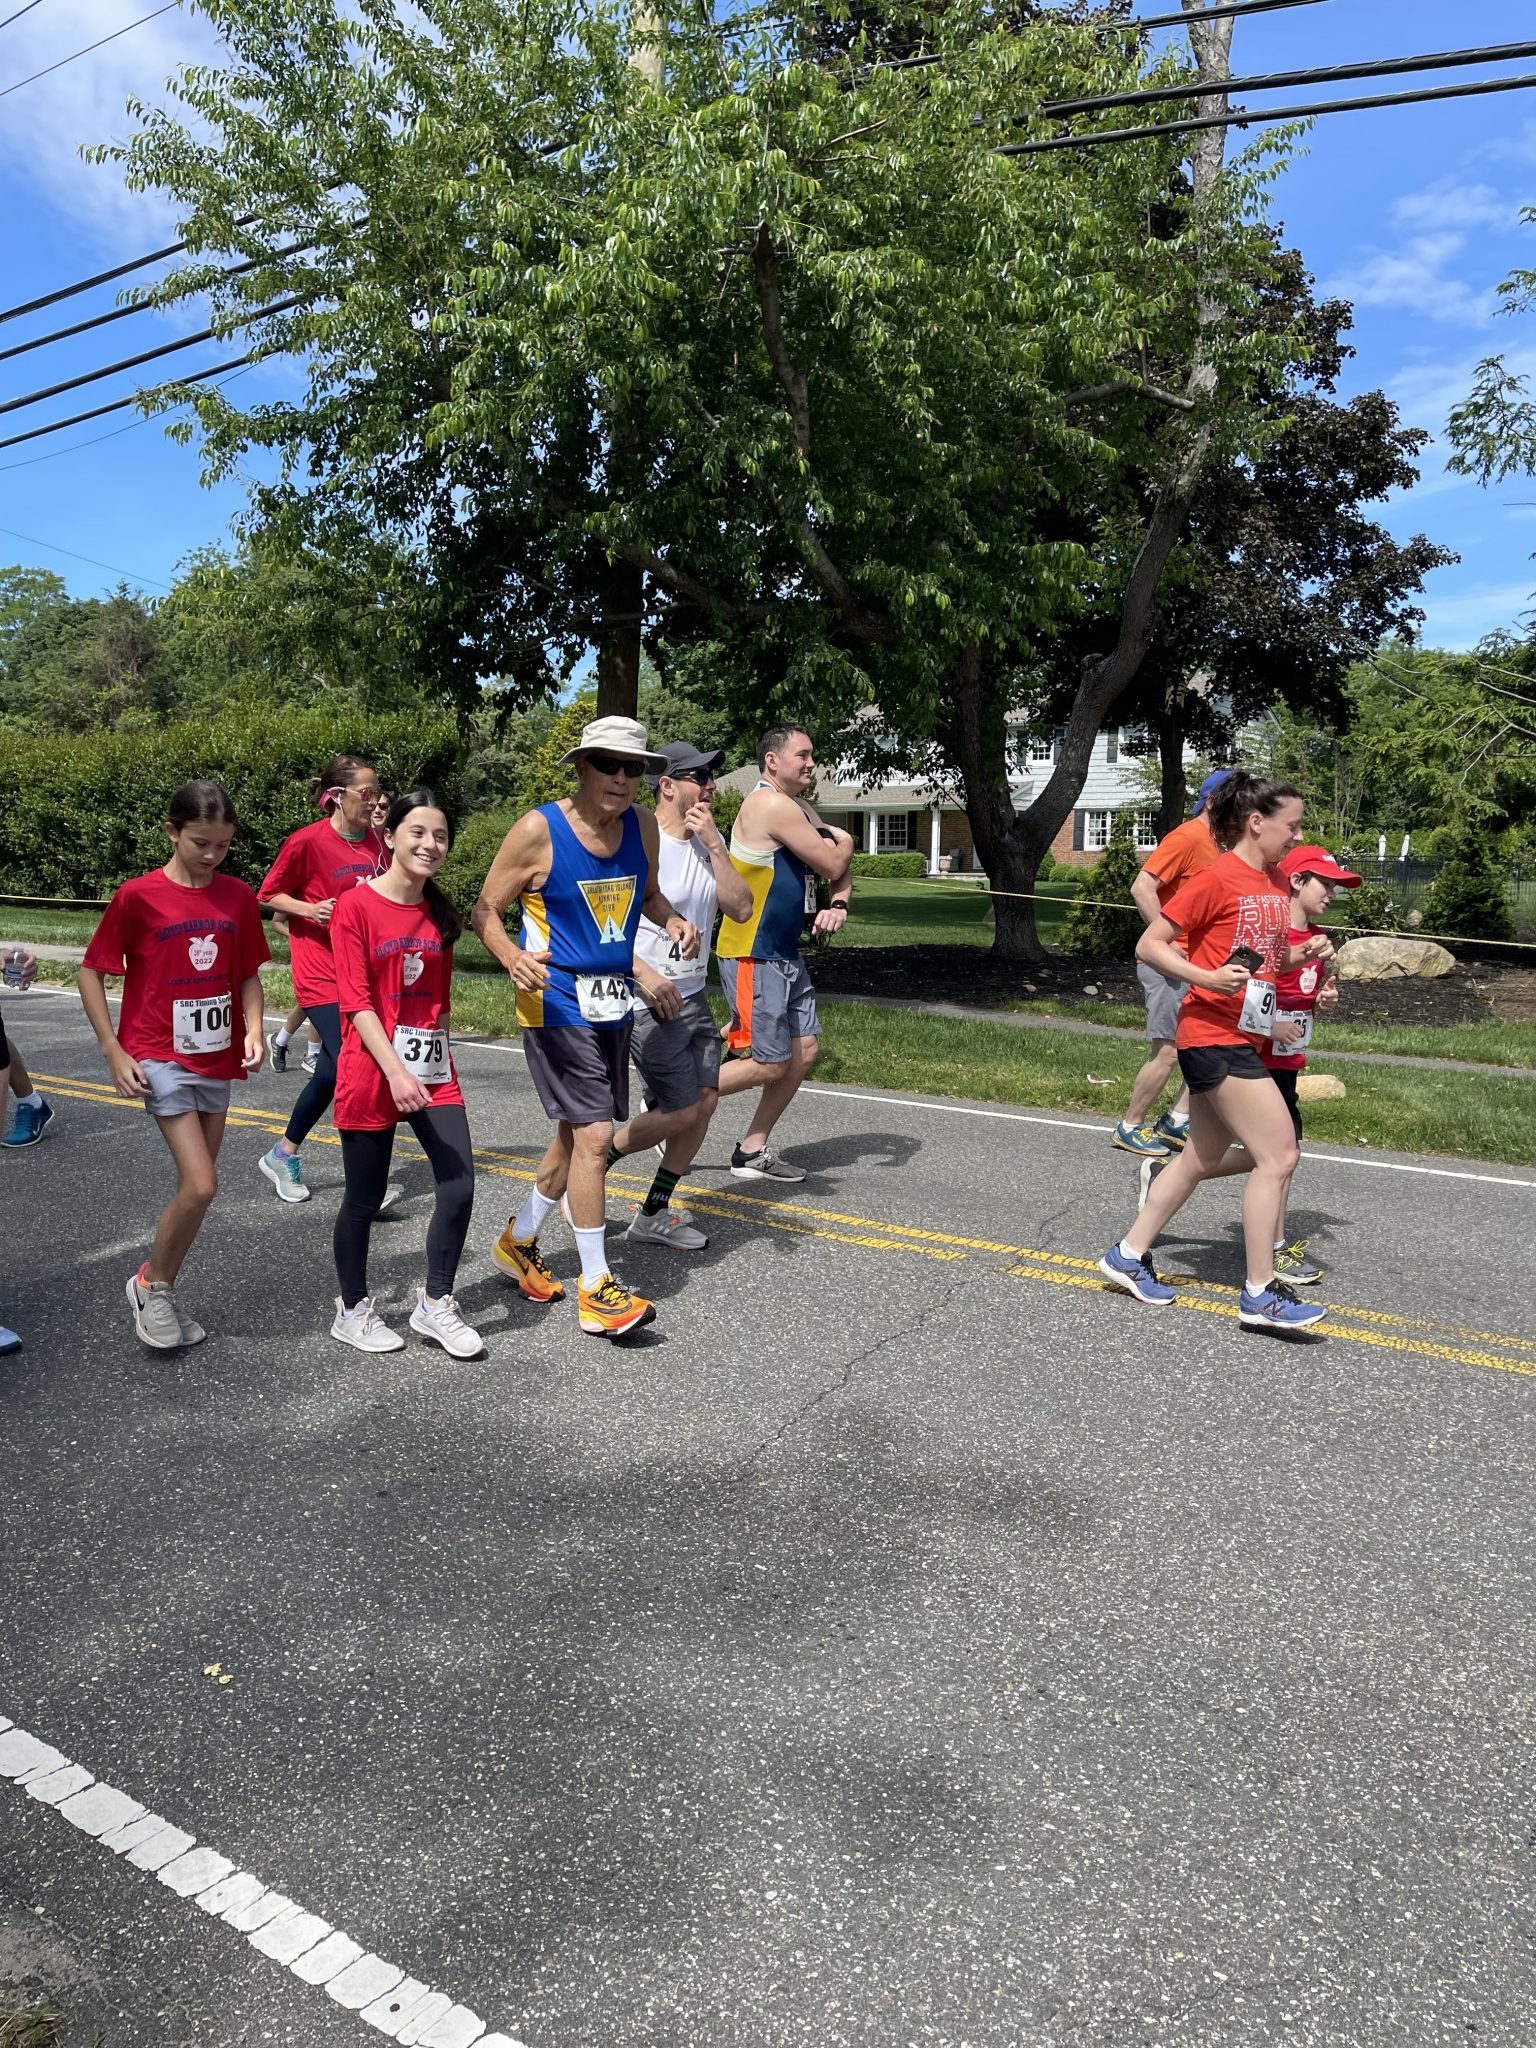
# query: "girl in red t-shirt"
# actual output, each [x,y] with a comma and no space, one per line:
[1234,924]
[394,941]
[316,868]
[188,943]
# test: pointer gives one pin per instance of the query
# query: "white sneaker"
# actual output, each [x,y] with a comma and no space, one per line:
[391,1195]
[362,1329]
[666,1226]
[155,1320]
[442,1322]
[286,1174]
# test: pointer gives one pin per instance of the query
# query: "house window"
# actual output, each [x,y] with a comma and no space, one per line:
[1146,829]
[1096,826]
[1041,752]
[891,832]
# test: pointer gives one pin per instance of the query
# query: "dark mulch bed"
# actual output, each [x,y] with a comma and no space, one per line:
[968,974]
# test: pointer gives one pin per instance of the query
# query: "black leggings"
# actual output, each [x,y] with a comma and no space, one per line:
[443,1135]
[320,1089]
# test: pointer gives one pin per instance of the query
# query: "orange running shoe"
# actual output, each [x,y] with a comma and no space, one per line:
[610,1310]
[521,1257]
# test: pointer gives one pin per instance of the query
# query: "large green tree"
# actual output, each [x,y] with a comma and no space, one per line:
[860,360]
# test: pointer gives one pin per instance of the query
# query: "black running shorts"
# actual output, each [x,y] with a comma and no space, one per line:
[1207,1066]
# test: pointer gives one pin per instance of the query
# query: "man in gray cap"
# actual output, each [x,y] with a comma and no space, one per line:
[676,1043]
[582,870]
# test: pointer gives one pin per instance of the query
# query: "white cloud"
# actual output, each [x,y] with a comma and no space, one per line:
[49,122]
[1462,618]
[1451,204]
[1416,278]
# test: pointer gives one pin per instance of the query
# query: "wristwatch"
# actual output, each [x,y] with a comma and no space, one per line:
[839,903]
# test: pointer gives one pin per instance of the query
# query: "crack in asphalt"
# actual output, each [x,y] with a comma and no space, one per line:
[844,1379]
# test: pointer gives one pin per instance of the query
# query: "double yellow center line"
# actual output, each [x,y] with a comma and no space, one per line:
[1451,1343]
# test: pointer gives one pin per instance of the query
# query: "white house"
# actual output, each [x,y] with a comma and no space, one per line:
[897,817]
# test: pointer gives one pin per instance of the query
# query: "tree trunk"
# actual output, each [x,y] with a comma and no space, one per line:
[1008,841]
[622,588]
[1173,797]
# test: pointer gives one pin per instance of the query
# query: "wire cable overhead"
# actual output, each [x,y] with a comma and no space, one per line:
[75,55]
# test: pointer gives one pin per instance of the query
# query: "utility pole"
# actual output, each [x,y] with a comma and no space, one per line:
[622,585]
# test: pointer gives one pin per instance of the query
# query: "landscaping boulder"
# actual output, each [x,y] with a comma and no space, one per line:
[1393,960]
[1319,1088]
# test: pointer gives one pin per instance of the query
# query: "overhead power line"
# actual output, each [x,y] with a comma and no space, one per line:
[23,348]
[20,12]
[49,69]
[118,404]
[1328,74]
[149,355]
[1235,7]
[1243,118]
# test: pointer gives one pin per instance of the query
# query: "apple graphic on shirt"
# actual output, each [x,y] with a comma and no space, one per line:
[1309,978]
[410,967]
[203,952]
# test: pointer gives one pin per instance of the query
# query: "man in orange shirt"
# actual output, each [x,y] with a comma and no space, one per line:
[1177,858]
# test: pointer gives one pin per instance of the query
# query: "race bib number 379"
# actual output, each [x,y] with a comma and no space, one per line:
[423,1054]
[201,1024]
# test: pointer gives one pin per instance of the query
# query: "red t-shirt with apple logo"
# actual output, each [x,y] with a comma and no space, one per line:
[313,864]
[183,954]
[390,958]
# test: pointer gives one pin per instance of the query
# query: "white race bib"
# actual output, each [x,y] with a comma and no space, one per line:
[1304,1019]
[604,998]
[810,895]
[201,1023]
[423,1052]
[674,966]
[1258,1015]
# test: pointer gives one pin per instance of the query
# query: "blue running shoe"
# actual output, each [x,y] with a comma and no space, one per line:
[32,1119]
[1174,1135]
[286,1175]
[9,1341]
[1278,1307]
[1141,1140]
[1136,1276]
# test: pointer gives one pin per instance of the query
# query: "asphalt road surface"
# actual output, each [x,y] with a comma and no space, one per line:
[905,1641]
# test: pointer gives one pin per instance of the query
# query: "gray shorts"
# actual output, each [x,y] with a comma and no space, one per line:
[175,1089]
[1164,993]
[772,1004]
[581,1074]
[678,1057]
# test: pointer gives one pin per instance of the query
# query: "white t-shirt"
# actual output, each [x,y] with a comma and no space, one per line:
[687,881]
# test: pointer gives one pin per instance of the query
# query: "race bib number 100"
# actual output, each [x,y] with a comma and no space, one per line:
[604,998]
[423,1054]
[201,1023]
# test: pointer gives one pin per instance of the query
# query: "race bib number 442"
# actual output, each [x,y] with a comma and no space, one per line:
[604,998]
[423,1054]
[201,1023]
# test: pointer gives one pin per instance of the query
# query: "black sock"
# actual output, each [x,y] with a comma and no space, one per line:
[614,1156]
[661,1191]
[740,1158]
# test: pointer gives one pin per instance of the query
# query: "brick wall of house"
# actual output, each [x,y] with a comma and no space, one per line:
[1062,849]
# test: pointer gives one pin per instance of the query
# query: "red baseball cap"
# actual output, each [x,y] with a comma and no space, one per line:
[1316,860]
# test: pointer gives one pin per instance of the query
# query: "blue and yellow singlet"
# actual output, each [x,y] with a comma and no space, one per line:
[781,895]
[585,917]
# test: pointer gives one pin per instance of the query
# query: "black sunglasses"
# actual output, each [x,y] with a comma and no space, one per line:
[615,764]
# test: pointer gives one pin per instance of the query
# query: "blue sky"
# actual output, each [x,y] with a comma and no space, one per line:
[1412,214]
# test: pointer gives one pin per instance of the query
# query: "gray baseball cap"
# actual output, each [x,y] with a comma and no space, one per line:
[682,759]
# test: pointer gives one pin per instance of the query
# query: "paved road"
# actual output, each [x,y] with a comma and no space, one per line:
[906,1641]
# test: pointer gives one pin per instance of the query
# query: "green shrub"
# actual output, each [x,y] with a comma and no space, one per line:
[1469,898]
[1047,870]
[1370,908]
[475,846]
[890,867]
[84,811]
[1092,932]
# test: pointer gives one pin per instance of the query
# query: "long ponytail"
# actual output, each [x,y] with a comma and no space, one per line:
[450,926]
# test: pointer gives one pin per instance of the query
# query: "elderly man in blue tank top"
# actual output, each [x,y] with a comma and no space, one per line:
[582,870]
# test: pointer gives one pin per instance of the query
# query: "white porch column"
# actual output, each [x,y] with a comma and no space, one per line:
[933,840]
[871,836]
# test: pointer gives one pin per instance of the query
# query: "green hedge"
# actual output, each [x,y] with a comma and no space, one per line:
[475,847]
[82,812]
[890,867]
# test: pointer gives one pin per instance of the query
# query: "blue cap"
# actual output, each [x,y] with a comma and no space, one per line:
[1211,782]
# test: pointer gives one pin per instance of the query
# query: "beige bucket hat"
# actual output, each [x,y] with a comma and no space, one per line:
[625,736]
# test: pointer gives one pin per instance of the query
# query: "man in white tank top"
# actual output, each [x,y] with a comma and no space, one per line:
[676,1043]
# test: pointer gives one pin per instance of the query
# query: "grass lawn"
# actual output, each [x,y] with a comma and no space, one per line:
[1402,1109]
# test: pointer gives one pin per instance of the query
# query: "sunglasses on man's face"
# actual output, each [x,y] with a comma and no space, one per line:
[615,764]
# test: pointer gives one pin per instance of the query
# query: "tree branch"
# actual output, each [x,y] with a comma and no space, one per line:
[1092,393]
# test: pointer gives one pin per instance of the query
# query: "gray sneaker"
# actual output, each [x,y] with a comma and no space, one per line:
[1293,1266]
[764,1165]
[666,1226]
[390,1196]
[154,1313]
[363,1330]
[191,1332]
[442,1322]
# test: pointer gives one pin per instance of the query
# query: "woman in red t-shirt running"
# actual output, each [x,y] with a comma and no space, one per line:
[188,943]
[315,869]
[394,941]
[1234,922]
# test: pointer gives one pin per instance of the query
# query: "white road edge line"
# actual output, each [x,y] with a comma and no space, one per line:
[307,1946]
[1018,1116]
[1058,1123]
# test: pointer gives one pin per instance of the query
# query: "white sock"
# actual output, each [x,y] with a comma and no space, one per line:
[1279,1244]
[282,1035]
[32,1101]
[594,1258]
[1178,1123]
[1127,1253]
[1260,1286]
[529,1220]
